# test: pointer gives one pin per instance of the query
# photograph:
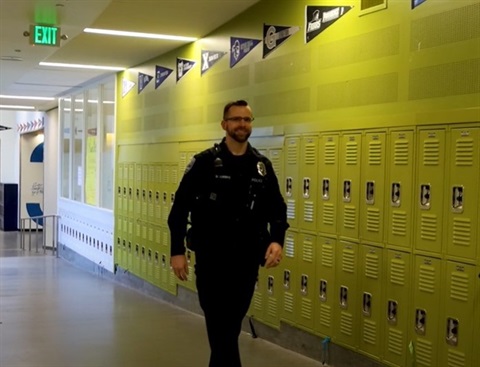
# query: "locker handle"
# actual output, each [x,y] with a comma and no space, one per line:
[392,312]
[344,297]
[395,195]
[306,187]
[288,186]
[304,284]
[323,290]
[347,191]
[326,189]
[270,284]
[370,193]
[286,279]
[452,331]
[425,196]
[420,321]
[457,199]
[367,304]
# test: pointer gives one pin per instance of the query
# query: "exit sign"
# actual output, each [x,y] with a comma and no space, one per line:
[45,35]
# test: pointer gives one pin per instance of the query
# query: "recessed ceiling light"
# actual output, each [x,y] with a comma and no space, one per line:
[82,66]
[112,32]
[28,97]
[17,107]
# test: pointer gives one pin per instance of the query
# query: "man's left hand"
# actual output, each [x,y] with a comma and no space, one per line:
[273,256]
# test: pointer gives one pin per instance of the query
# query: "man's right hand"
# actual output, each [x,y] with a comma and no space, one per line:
[180,266]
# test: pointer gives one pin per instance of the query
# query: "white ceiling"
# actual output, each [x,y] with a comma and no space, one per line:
[20,73]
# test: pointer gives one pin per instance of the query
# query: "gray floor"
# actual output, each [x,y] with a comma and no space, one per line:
[55,315]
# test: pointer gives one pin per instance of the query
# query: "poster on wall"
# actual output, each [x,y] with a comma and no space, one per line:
[274,36]
[416,3]
[183,67]
[210,58]
[143,80]
[127,86]
[239,48]
[161,74]
[319,18]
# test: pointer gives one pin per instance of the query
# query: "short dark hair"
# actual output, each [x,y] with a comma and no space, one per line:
[240,102]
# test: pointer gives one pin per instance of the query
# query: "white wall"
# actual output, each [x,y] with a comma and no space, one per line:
[51,163]
[9,148]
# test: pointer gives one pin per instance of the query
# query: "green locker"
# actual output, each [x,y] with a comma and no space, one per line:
[328,182]
[165,258]
[400,189]
[325,289]
[272,282]
[158,196]
[136,260]
[151,194]
[257,307]
[424,318]
[349,185]
[429,191]
[346,313]
[309,183]
[125,241]
[463,194]
[396,307]
[477,318]
[126,185]
[372,272]
[143,262]
[372,214]
[291,184]
[119,191]
[131,185]
[289,266]
[457,343]
[306,278]
[165,193]
[144,191]
[130,246]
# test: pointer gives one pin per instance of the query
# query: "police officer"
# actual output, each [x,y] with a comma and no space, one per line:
[230,195]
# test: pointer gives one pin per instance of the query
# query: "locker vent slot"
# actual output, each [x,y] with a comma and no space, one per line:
[325,315]
[348,261]
[183,162]
[272,307]
[426,282]
[370,332]
[401,153]
[372,266]
[462,231]
[456,358]
[275,159]
[306,308]
[292,153]
[174,176]
[328,216]
[351,153]
[307,254]
[431,152]
[330,157]
[308,211]
[291,209]
[327,256]
[459,287]
[289,246]
[429,227]
[424,352]
[257,301]
[288,302]
[310,154]
[172,280]
[349,217]
[397,272]
[373,220]
[464,152]
[166,176]
[346,323]
[399,223]
[395,341]
[375,153]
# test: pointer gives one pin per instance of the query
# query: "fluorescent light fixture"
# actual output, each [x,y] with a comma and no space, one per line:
[112,32]
[28,97]
[17,107]
[82,66]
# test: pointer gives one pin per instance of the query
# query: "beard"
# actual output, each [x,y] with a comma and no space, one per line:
[239,135]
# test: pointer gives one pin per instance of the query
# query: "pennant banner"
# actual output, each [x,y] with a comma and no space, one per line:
[210,58]
[239,48]
[183,67]
[143,80]
[416,3]
[161,74]
[319,18]
[127,86]
[274,36]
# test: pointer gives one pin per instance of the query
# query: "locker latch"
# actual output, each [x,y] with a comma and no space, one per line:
[150,195]
[367,304]
[172,198]
[425,196]
[344,297]
[286,279]
[164,261]
[457,199]
[124,244]
[124,191]
[323,290]
[157,196]
[144,194]
[129,246]
[119,241]
[129,192]
[420,321]
[306,187]
[270,284]
[149,255]
[164,197]
[288,186]
[189,256]
[138,194]
[347,191]
[396,194]
[452,331]
[156,258]
[392,312]
[304,284]
[143,252]
[370,193]
[326,189]
[137,249]
[119,190]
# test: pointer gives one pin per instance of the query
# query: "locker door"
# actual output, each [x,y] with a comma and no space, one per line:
[131,186]
[272,285]
[325,289]
[429,192]
[119,190]
[477,318]
[137,204]
[349,185]
[144,191]
[291,184]
[306,279]
[256,309]
[308,182]
[400,189]
[373,181]
[125,188]
[165,258]
[463,193]
[396,305]
[130,245]
[289,277]
[457,341]
[118,236]
[424,320]
[165,193]
[372,316]
[151,194]
[328,183]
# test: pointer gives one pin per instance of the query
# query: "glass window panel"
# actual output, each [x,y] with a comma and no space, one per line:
[66,118]
[108,143]
[78,134]
[91,117]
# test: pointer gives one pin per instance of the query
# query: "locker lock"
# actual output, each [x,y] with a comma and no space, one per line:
[164,261]
[156,258]
[150,195]
[395,195]
[138,194]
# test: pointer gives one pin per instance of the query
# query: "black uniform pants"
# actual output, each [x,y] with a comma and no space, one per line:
[225,294]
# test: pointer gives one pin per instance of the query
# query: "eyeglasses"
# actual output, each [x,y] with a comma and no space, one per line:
[239,118]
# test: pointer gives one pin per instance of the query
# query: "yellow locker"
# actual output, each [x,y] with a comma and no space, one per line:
[309,183]
[158,195]
[397,305]
[151,194]
[306,278]
[119,190]
[463,194]
[457,342]
[125,240]
[291,184]
[136,259]
[372,274]
[400,189]
[131,185]
[477,318]
[119,240]
[349,185]
[165,258]
[257,307]
[424,321]
[125,188]
[325,289]
[346,313]
[430,189]
[328,182]
[372,215]
[272,284]
[144,191]
[289,277]
[143,261]
[130,245]
[165,193]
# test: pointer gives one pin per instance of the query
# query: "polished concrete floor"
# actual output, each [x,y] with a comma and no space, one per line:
[53,314]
